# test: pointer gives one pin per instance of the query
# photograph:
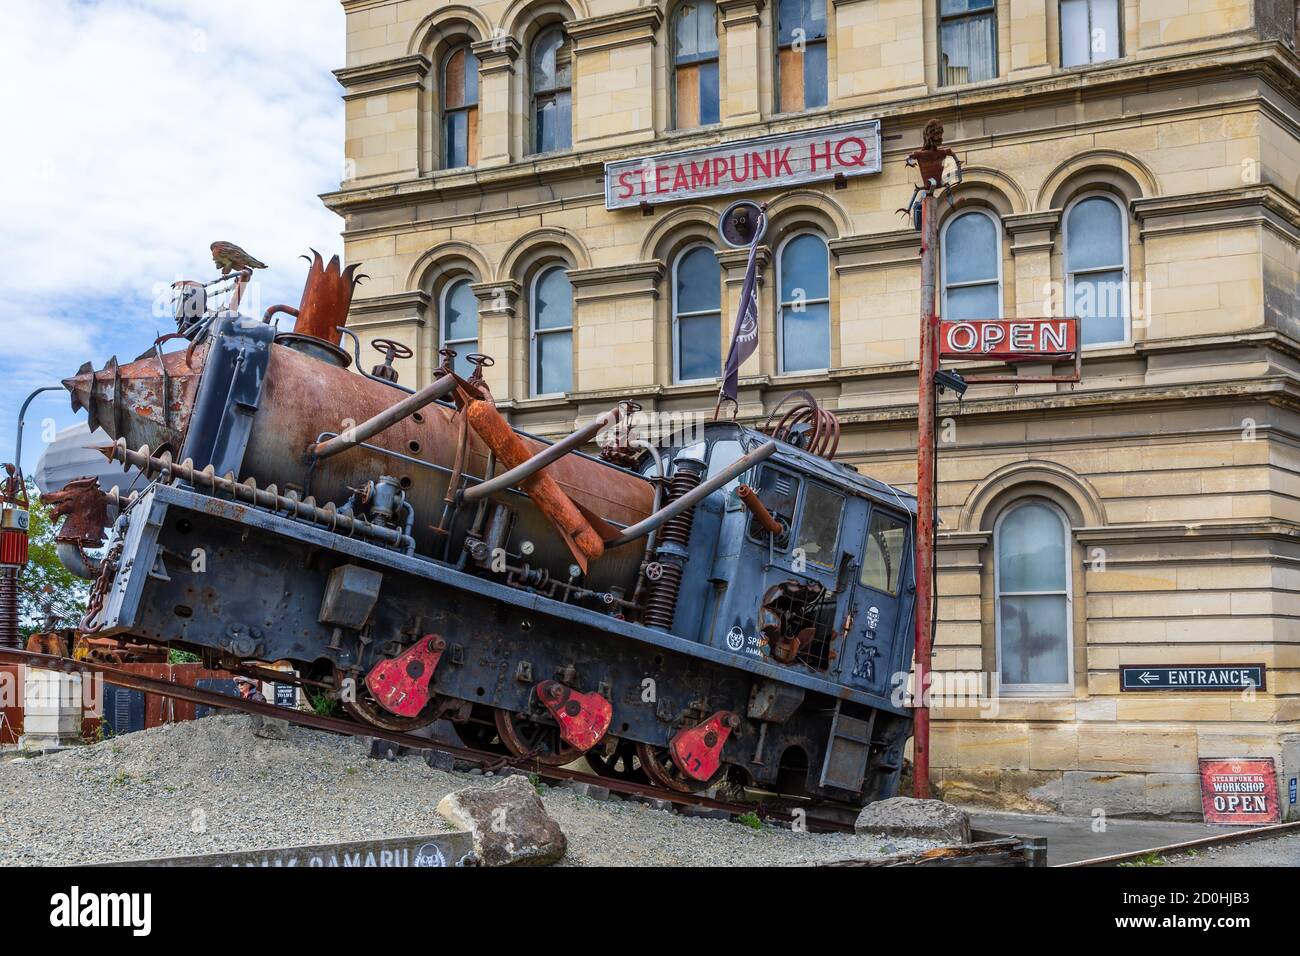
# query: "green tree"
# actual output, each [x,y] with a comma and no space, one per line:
[45,583]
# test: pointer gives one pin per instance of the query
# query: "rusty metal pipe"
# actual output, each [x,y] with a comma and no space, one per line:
[384,420]
[749,498]
[694,496]
[554,452]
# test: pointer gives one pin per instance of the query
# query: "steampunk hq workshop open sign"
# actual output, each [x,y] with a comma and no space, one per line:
[1234,792]
[766,162]
[1008,338]
[1191,677]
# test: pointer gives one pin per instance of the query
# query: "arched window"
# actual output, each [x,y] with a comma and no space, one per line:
[551,312]
[968,41]
[801,55]
[803,277]
[1096,269]
[972,267]
[695,64]
[460,323]
[1032,572]
[552,78]
[1089,31]
[460,109]
[697,315]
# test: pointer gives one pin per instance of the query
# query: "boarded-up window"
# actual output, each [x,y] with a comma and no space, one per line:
[460,108]
[801,55]
[695,64]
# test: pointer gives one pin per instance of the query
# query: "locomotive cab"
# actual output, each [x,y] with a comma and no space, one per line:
[828,591]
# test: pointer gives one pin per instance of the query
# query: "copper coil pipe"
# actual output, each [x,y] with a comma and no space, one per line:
[749,498]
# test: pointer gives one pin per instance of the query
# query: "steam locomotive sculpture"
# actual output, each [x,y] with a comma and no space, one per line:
[727,604]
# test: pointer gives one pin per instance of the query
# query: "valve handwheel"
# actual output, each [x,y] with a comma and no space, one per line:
[481,360]
[391,349]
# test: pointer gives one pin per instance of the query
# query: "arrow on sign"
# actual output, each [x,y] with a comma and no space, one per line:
[1147,677]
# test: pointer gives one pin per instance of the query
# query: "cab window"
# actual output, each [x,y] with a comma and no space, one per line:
[885,551]
[779,492]
[819,527]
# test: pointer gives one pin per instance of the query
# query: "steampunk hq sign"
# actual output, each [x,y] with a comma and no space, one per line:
[1191,677]
[767,162]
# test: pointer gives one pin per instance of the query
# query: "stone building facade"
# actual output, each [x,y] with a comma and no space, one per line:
[1148,515]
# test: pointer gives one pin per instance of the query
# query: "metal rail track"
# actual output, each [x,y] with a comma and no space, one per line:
[1170,849]
[486,760]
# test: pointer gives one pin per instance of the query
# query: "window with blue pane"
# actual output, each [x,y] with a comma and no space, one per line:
[551,314]
[803,278]
[1096,269]
[460,323]
[695,64]
[972,249]
[697,315]
[1032,571]
[460,108]
[551,78]
[1090,31]
[800,55]
[968,41]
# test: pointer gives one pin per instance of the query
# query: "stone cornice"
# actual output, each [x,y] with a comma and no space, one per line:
[417,300]
[387,74]
[496,53]
[739,12]
[638,25]
[497,297]
[856,253]
[602,282]
[1263,204]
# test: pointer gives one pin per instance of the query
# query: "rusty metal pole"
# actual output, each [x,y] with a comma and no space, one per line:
[925,494]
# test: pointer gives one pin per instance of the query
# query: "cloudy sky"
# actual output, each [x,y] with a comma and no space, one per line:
[137,133]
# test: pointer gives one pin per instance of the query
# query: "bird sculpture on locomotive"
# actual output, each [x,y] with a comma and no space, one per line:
[729,604]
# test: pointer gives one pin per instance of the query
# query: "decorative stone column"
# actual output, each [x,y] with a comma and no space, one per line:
[1029,40]
[496,67]
[497,306]
[743,44]
[614,76]
[383,105]
[614,326]
[1033,237]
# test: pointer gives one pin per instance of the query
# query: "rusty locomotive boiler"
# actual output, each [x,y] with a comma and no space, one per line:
[729,604]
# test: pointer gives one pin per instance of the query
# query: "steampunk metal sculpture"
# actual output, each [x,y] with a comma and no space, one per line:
[642,611]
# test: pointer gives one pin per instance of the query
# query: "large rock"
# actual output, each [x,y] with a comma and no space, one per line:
[508,822]
[909,817]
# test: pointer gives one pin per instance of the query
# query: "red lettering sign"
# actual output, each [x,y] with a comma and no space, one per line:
[1236,792]
[1008,338]
[767,162]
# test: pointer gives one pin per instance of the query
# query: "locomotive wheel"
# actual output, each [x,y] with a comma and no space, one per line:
[480,731]
[657,762]
[367,710]
[622,764]
[525,737]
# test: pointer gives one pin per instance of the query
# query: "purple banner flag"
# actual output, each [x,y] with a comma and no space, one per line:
[745,338]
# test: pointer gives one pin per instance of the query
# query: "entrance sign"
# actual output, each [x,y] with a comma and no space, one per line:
[1236,792]
[766,162]
[1229,677]
[1008,338]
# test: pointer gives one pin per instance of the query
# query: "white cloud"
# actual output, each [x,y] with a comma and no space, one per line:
[139,131]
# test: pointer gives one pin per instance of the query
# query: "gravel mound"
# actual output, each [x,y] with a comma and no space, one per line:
[210,785]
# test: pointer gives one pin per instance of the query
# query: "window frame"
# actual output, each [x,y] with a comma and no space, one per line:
[941,19]
[534,146]
[677,314]
[796,537]
[443,297]
[778,46]
[674,66]
[1034,690]
[781,304]
[533,331]
[1060,37]
[1126,277]
[943,261]
[445,111]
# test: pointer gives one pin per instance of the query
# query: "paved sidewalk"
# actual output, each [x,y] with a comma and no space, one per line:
[1070,839]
